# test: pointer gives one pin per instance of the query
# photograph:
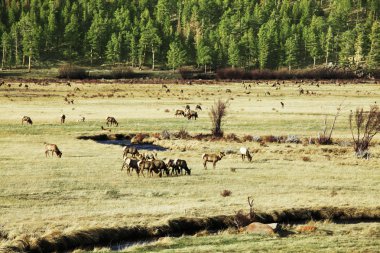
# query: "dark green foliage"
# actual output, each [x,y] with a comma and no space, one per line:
[208,34]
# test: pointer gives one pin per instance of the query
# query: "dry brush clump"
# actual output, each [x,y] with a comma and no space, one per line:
[72,72]
[226,193]
[217,113]
[364,125]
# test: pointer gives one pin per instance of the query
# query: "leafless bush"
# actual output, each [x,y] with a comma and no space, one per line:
[364,125]
[183,134]
[247,137]
[165,135]
[226,193]
[72,72]
[218,111]
[306,159]
[241,219]
[121,72]
[324,138]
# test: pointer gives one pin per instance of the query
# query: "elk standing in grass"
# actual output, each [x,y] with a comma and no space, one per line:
[111,121]
[27,119]
[245,153]
[179,113]
[63,118]
[53,149]
[131,164]
[213,158]
[130,150]
[192,114]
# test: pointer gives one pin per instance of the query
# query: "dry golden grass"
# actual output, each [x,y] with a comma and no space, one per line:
[85,188]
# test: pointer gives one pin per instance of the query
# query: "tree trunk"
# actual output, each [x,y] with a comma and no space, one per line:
[2,60]
[30,61]
[16,51]
[152,58]
[205,68]
[91,56]
[290,67]
[314,61]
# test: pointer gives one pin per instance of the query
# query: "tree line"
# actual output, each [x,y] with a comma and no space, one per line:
[265,34]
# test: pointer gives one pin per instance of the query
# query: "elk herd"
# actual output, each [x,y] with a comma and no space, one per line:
[188,113]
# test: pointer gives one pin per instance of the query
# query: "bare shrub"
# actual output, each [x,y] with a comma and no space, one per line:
[72,72]
[165,135]
[306,159]
[226,193]
[232,137]
[241,219]
[247,137]
[183,134]
[121,72]
[364,125]
[324,138]
[217,112]
[167,110]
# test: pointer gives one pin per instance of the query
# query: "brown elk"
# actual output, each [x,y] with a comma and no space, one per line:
[63,118]
[179,112]
[130,150]
[148,156]
[111,121]
[192,114]
[178,165]
[53,149]
[245,153]
[131,164]
[156,166]
[27,119]
[214,158]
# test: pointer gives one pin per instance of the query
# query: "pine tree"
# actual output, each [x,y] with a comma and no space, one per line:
[291,49]
[233,53]
[203,55]
[176,55]
[113,49]
[328,45]
[374,53]
[347,48]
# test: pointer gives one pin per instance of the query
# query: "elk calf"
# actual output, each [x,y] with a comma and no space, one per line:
[214,158]
[53,149]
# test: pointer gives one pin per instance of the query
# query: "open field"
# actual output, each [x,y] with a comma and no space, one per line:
[85,188]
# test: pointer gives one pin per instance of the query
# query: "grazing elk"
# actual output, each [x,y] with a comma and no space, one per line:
[27,119]
[130,150]
[179,112]
[131,164]
[245,153]
[156,166]
[111,121]
[178,165]
[63,118]
[192,114]
[214,158]
[198,107]
[148,156]
[53,149]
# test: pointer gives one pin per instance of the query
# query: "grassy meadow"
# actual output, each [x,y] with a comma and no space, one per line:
[85,188]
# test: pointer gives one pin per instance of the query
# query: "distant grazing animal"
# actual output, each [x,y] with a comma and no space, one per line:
[179,112]
[228,91]
[198,107]
[1,84]
[192,114]
[187,107]
[131,164]
[63,118]
[159,166]
[111,121]
[27,119]
[171,164]
[82,119]
[164,86]
[68,84]
[181,165]
[130,150]
[53,149]
[282,104]
[148,156]
[214,158]
[167,90]
[105,129]
[245,153]
[145,165]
